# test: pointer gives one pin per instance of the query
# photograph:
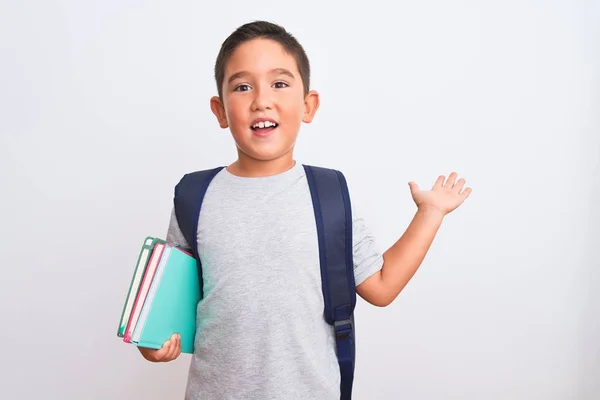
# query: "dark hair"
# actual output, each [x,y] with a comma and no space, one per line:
[262,30]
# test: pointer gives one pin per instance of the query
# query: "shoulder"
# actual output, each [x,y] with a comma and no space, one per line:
[199,176]
[321,169]
[191,182]
[327,175]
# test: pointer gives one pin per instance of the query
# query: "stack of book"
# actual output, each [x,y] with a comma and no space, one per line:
[162,298]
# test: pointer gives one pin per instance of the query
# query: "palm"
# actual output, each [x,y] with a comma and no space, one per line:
[445,195]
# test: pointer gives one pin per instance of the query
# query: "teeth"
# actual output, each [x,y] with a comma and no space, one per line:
[264,124]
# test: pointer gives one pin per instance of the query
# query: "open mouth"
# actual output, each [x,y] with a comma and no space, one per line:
[264,127]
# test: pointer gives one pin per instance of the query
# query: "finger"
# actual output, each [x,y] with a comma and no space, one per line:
[169,352]
[413,187]
[451,180]
[466,192]
[439,182]
[173,348]
[159,354]
[166,350]
[459,185]
[178,346]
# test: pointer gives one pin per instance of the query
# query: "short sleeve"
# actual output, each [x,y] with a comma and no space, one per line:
[368,258]
[174,234]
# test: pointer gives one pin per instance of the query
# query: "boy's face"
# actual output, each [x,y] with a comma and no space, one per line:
[263,100]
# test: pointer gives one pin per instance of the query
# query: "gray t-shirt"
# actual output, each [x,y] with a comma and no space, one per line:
[260,332]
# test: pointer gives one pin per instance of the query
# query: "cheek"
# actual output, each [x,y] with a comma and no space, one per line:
[293,108]
[235,110]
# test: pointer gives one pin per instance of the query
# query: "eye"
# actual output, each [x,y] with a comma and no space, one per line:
[280,85]
[242,88]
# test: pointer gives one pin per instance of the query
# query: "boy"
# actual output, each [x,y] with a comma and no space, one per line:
[261,332]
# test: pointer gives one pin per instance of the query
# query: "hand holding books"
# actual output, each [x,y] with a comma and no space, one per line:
[159,314]
[170,350]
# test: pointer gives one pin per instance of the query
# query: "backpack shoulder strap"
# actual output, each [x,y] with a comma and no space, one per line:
[189,195]
[333,214]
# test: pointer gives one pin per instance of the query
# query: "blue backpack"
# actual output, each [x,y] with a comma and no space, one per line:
[333,217]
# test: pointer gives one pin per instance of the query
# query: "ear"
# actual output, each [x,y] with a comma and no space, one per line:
[311,105]
[216,105]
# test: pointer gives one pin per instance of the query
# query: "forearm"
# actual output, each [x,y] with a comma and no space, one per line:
[401,261]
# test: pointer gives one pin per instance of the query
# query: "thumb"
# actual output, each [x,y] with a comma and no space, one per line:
[159,354]
[413,187]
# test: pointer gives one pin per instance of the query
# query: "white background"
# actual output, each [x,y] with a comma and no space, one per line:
[104,105]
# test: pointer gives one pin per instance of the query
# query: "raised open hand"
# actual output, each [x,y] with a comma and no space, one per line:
[445,195]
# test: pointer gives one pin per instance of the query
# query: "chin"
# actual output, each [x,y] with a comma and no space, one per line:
[267,155]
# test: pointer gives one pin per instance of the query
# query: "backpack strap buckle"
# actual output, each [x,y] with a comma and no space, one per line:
[343,328]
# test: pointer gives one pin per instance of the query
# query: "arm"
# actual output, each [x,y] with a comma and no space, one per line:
[401,261]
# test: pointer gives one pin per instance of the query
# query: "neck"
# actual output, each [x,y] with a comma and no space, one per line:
[253,168]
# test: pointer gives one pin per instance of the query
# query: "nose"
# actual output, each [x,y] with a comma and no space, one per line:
[262,99]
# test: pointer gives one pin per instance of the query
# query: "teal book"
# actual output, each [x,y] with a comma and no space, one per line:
[136,280]
[170,303]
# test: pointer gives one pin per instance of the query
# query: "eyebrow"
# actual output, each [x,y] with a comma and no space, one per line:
[276,71]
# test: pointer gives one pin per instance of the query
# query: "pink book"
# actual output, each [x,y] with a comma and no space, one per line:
[142,293]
